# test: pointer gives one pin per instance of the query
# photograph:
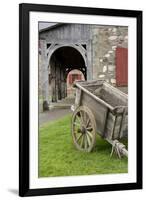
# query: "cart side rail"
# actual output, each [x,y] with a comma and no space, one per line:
[114,110]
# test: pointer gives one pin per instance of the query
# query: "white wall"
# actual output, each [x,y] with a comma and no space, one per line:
[9,98]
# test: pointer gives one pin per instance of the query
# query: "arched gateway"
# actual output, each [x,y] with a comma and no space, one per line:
[61,52]
[63,59]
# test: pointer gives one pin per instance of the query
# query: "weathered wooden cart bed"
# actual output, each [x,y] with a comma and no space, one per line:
[99,108]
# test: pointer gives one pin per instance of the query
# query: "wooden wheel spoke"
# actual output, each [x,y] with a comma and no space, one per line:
[87,123]
[85,117]
[78,119]
[90,134]
[79,137]
[82,141]
[85,141]
[89,128]
[88,140]
[77,124]
[82,119]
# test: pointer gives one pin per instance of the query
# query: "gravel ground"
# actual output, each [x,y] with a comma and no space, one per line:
[53,115]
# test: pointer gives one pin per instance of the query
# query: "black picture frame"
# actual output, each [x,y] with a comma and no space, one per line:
[24,10]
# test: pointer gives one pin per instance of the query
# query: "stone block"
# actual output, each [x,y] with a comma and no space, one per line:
[113,37]
[110,52]
[111,68]
[114,30]
[126,37]
[113,81]
[101,76]
[114,47]
[104,68]
[107,55]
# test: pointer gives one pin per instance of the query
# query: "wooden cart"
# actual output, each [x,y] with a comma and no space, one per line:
[99,108]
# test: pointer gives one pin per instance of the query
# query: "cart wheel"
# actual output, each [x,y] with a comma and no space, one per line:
[83,129]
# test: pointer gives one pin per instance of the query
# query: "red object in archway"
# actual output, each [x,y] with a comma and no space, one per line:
[121,66]
[74,77]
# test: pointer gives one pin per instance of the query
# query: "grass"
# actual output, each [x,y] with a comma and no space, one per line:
[59,157]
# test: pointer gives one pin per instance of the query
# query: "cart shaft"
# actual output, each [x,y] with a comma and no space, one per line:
[119,148]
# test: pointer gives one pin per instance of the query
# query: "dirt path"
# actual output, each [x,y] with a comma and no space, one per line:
[53,115]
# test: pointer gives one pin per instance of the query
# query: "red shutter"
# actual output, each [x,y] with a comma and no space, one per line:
[121,66]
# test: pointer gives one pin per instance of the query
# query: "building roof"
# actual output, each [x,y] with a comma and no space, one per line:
[51,27]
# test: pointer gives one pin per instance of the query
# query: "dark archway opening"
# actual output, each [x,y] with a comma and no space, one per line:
[62,61]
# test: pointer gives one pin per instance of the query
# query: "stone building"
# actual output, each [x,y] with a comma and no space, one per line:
[99,52]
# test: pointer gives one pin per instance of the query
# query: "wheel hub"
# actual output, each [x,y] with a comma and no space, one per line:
[83,130]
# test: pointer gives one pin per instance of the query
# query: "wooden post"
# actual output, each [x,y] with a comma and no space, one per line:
[59,81]
[53,81]
[65,84]
[62,84]
[44,75]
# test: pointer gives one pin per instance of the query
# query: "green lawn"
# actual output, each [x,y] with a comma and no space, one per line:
[59,157]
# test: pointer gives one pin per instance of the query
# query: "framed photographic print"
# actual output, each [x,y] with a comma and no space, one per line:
[80,99]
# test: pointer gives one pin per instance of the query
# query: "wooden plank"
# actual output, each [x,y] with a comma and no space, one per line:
[78,97]
[95,97]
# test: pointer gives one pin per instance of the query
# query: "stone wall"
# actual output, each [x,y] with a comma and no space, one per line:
[105,40]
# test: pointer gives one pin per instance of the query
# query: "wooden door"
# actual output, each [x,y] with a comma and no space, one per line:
[121,66]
